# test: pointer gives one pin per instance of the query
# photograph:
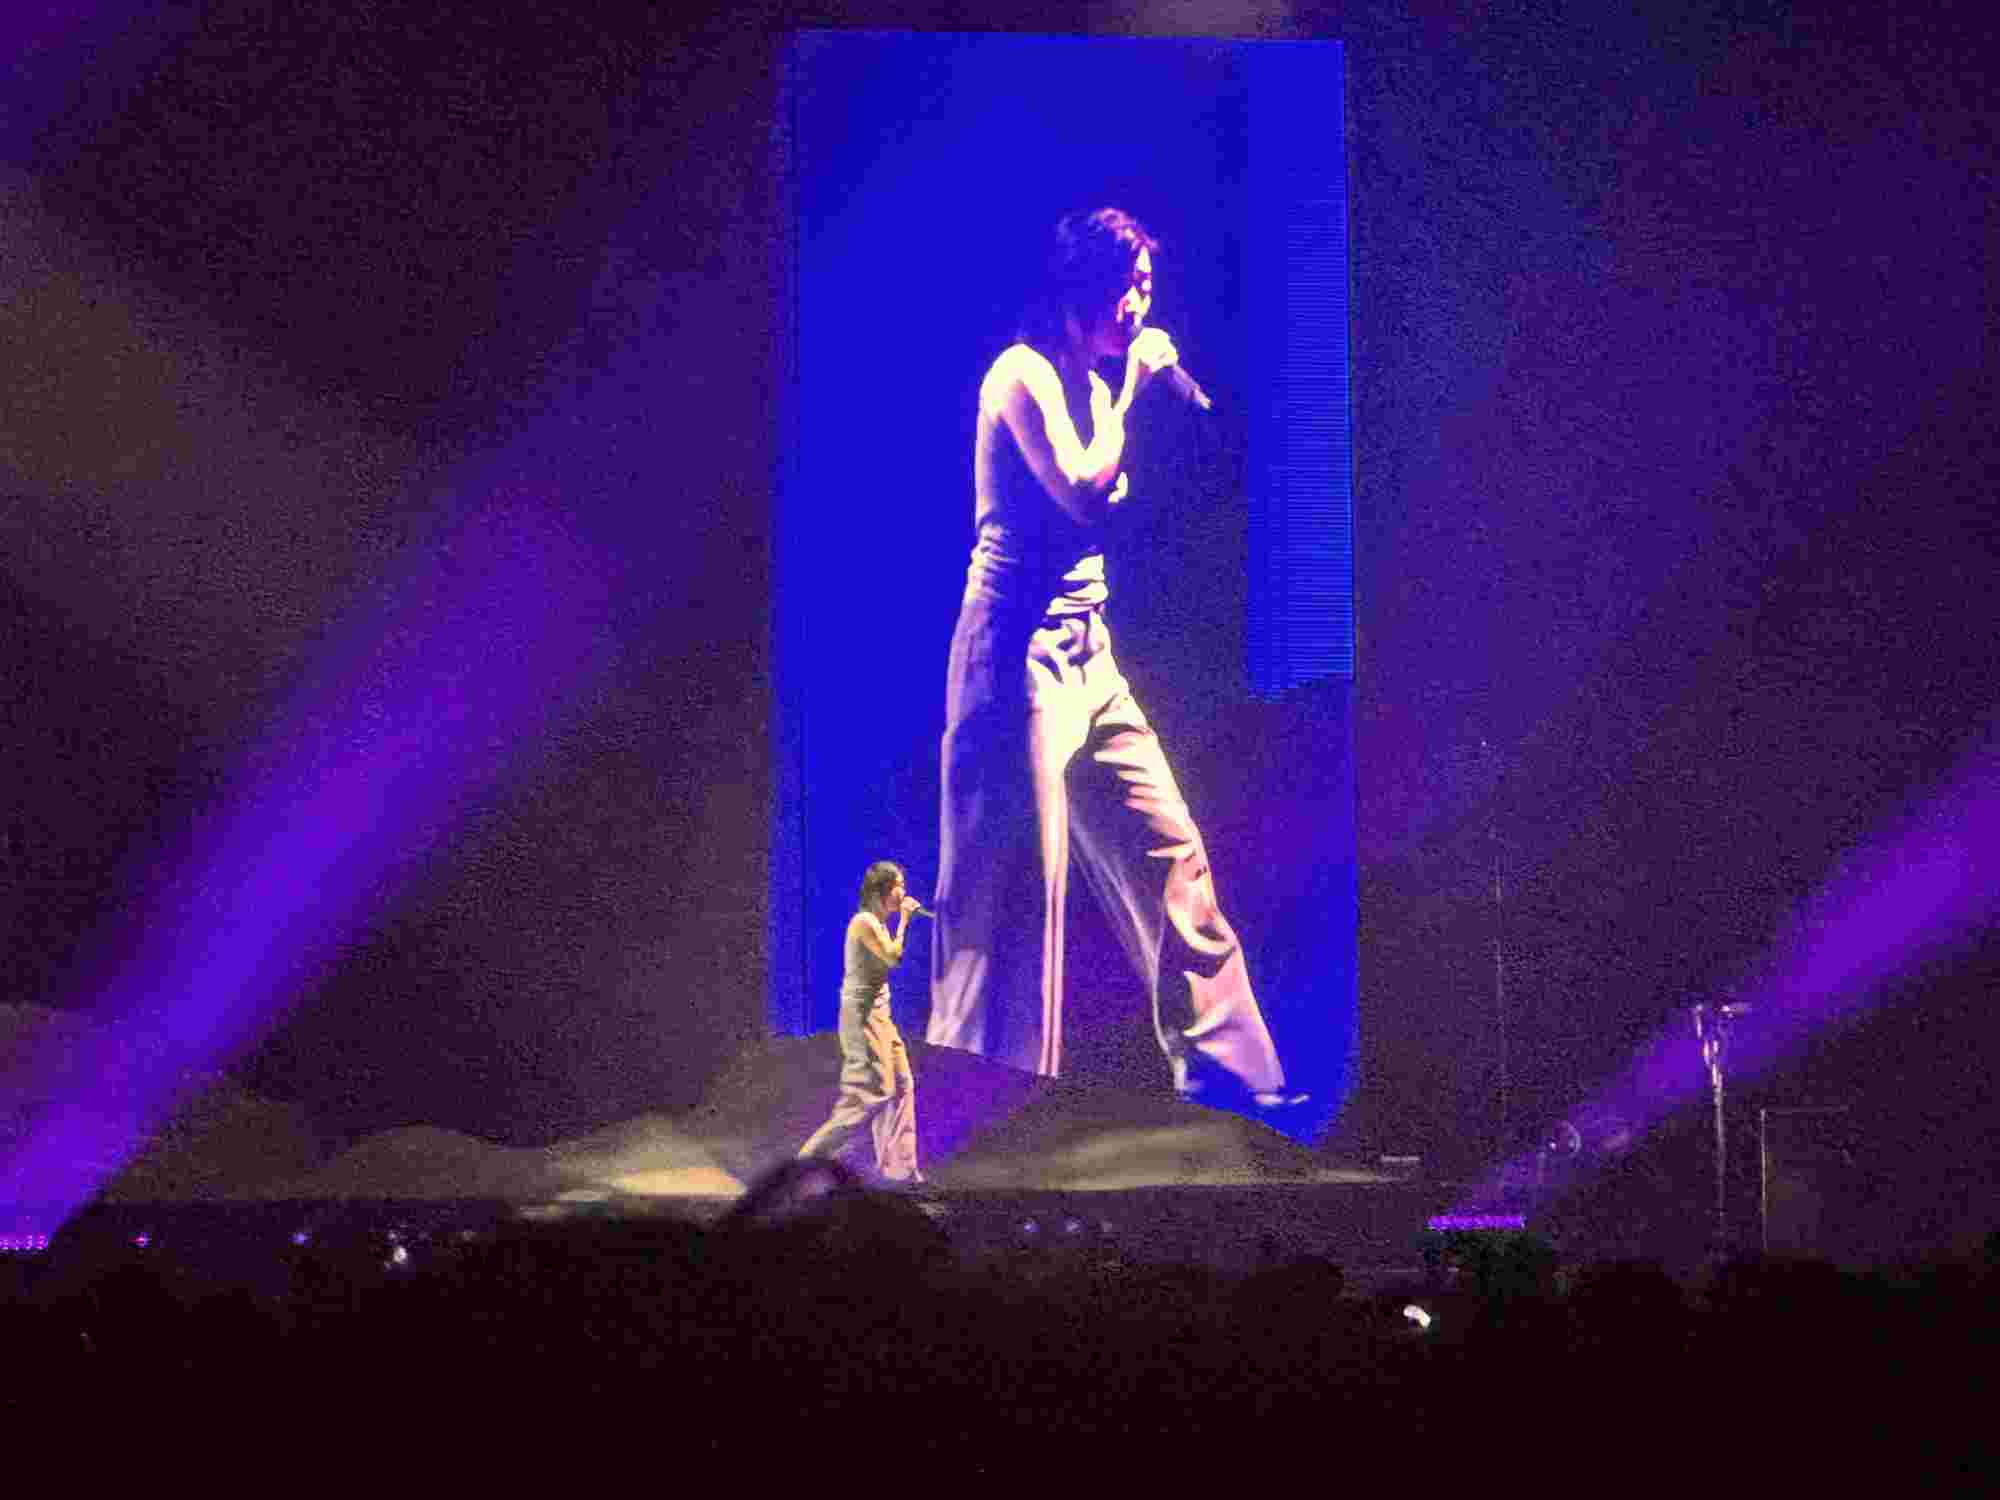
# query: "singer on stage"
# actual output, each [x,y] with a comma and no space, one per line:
[876,1085]
[1046,755]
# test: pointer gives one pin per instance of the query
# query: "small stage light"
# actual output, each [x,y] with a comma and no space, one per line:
[1072,1226]
[1418,1316]
[142,1239]
[1030,1226]
[1448,1223]
[23,1244]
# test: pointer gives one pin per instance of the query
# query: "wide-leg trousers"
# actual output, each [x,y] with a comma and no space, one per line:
[1049,760]
[877,1090]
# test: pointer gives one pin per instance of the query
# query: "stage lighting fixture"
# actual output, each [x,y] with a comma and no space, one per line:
[23,1244]
[1415,1314]
[1613,1135]
[1595,1136]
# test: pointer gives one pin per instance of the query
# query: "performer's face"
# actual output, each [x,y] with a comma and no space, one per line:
[892,899]
[1119,321]
[1136,301]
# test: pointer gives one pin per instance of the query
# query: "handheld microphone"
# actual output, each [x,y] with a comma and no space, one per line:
[924,911]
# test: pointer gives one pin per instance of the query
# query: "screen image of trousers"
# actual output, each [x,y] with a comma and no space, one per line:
[1063,765]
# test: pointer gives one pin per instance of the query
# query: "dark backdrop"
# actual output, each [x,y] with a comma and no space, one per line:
[1673,416]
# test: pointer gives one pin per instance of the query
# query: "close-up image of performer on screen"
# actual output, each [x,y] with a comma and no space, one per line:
[1047,756]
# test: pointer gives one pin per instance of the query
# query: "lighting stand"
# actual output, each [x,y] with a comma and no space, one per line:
[1504,1104]
[1711,1027]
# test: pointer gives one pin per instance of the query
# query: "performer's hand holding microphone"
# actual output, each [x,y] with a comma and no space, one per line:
[1153,353]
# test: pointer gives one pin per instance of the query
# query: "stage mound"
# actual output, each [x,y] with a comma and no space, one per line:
[983,1128]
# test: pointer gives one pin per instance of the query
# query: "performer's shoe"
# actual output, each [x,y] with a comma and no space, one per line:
[1210,1086]
[1290,1112]
[1278,1101]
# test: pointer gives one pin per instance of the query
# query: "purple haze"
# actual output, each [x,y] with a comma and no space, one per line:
[1920,891]
[419,709]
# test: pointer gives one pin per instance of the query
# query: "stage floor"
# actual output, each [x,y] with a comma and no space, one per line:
[982,1127]
[1013,1160]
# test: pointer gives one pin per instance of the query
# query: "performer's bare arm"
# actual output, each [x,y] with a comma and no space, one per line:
[1024,391]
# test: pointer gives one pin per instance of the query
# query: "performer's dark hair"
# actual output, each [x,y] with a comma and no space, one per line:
[880,879]
[1089,266]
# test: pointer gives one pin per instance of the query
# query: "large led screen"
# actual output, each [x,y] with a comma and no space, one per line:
[1089,687]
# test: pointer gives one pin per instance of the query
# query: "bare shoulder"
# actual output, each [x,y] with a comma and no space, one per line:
[868,927]
[1019,368]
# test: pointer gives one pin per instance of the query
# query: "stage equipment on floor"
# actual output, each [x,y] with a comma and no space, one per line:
[1807,1182]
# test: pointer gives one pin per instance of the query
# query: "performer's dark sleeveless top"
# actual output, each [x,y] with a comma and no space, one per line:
[1030,559]
[867,972]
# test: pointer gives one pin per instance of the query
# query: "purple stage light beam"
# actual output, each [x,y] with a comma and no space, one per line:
[424,705]
[1921,891]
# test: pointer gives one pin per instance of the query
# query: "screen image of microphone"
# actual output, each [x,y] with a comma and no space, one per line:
[1187,388]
